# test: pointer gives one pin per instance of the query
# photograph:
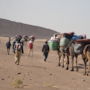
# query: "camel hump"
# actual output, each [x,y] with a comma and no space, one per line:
[87,48]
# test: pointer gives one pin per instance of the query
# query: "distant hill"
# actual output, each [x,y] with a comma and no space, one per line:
[11,28]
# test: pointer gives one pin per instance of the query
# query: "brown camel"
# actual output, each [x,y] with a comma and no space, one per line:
[86,58]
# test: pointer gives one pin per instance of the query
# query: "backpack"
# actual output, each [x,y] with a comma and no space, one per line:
[64,41]
[18,46]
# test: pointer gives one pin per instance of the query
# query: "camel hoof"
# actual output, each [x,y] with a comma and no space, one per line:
[72,69]
[77,70]
[67,68]
[59,64]
[87,74]
[84,74]
[62,66]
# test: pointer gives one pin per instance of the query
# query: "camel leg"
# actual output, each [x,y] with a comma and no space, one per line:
[59,64]
[67,62]
[72,63]
[63,60]
[88,69]
[88,57]
[85,63]
[76,64]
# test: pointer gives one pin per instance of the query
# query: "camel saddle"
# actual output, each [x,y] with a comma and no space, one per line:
[83,41]
[69,35]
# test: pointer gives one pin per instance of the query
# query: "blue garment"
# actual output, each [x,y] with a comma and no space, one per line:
[76,37]
[8,44]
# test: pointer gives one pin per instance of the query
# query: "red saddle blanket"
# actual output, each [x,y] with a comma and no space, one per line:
[84,41]
[69,34]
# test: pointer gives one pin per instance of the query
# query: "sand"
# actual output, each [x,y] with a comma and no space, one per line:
[35,74]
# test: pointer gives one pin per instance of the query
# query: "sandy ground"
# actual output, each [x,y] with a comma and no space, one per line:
[37,74]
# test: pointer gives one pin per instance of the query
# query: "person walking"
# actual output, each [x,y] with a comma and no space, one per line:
[30,45]
[45,50]
[8,46]
[18,52]
[13,46]
[22,45]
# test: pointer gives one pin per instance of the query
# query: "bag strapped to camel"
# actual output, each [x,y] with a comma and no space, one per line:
[68,45]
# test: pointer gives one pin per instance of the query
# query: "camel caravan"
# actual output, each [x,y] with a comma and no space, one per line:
[70,46]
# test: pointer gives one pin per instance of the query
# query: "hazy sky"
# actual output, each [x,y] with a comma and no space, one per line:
[59,15]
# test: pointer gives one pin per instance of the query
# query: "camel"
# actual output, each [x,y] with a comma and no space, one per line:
[63,54]
[86,58]
[64,51]
[84,52]
[75,54]
[68,50]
